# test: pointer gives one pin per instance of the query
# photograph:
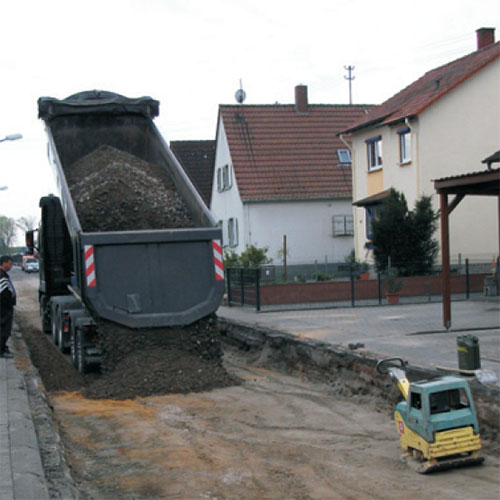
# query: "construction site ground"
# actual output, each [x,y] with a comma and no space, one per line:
[283,432]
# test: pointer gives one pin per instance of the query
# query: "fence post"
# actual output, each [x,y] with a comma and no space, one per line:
[228,284]
[257,289]
[242,288]
[379,283]
[351,267]
[467,279]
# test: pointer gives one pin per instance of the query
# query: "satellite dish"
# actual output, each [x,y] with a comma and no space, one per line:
[240,96]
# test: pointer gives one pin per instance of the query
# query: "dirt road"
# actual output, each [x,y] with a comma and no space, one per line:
[272,437]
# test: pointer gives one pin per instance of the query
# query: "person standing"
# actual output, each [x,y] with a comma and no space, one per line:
[7,303]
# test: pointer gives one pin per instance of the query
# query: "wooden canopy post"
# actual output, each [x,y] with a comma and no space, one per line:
[446,210]
[485,183]
[445,260]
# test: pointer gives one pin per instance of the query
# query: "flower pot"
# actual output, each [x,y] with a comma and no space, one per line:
[392,298]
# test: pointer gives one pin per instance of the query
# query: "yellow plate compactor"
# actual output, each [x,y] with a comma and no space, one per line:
[437,421]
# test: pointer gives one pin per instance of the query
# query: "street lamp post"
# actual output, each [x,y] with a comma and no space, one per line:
[12,137]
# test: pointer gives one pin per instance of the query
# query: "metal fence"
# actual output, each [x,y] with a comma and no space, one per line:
[350,283]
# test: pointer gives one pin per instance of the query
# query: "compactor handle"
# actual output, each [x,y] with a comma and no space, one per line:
[394,367]
[384,365]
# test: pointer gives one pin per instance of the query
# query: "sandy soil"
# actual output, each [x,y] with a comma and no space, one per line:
[272,437]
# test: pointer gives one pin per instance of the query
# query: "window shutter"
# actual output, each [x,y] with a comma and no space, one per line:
[349,225]
[219,180]
[338,225]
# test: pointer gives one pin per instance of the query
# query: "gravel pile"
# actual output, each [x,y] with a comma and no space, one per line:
[148,362]
[115,191]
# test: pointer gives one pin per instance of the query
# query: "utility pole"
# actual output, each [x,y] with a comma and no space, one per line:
[350,69]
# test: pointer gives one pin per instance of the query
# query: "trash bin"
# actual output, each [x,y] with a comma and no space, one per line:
[468,352]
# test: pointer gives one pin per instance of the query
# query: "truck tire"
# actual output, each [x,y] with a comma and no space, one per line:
[81,362]
[44,316]
[60,338]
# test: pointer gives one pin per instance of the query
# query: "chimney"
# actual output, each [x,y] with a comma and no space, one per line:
[301,99]
[485,37]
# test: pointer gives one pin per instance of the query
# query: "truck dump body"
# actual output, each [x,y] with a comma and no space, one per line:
[128,267]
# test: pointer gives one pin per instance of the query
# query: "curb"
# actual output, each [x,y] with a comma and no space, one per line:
[56,469]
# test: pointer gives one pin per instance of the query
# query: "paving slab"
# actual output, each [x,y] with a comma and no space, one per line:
[21,473]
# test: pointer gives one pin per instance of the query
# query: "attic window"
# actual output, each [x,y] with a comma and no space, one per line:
[344,156]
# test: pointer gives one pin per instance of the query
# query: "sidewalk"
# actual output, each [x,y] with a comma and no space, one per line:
[414,332]
[21,472]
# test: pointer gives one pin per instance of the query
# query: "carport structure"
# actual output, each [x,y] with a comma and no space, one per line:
[483,183]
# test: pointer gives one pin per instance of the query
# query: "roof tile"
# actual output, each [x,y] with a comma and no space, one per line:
[278,153]
[415,98]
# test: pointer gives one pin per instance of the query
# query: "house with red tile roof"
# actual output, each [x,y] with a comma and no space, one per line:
[443,124]
[281,170]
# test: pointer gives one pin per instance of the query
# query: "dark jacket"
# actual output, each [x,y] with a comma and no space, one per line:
[7,292]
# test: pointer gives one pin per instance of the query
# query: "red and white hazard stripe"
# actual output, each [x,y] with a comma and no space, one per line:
[219,266]
[89,265]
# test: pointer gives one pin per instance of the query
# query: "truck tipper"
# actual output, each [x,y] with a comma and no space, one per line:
[143,278]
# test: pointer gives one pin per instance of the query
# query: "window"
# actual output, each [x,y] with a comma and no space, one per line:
[449,400]
[226,177]
[416,401]
[374,152]
[343,225]
[344,156]
[371,213]
[232,232]
[224,180]
[404,146]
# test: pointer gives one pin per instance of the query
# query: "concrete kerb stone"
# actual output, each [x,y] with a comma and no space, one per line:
[352,371]
[49,444]
[21,457]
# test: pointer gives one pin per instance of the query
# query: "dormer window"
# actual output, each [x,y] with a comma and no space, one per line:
[344,156]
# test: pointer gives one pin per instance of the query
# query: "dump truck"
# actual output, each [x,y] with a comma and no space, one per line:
[138,278]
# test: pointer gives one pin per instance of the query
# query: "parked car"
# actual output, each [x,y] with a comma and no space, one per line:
[31,265]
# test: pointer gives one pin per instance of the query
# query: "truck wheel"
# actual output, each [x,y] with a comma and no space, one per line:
[60,338]
[81,362]
[44,316]
[55,322]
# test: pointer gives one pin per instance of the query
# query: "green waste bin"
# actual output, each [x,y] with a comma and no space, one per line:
[468,352]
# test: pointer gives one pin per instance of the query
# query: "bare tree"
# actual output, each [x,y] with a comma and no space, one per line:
[26,223]
[7,231]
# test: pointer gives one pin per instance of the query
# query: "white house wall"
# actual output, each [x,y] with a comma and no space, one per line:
[308,228]
[467,133]
[226,204]
[450,138]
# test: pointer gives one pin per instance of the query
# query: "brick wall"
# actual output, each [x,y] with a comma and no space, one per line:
[332,291]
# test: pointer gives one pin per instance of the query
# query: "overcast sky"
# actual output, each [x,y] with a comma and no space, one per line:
[191,55]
